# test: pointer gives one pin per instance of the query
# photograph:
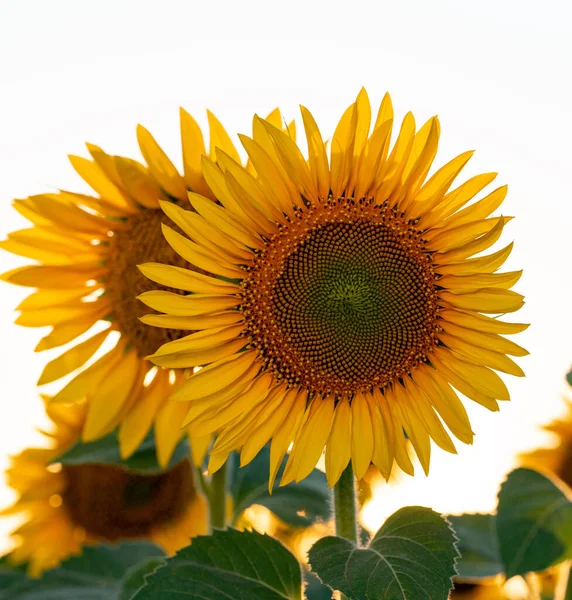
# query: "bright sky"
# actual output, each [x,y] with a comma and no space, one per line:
[497,73]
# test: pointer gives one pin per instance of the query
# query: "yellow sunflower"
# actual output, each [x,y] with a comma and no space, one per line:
[470,591]
[87,249]
[343,308]
[556,459]
[64,507]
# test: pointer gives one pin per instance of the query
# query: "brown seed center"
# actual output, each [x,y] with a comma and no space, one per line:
[110,503]
[142,242]
[343,298]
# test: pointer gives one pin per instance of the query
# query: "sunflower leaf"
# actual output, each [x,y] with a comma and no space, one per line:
[299,504]
[106,451]
[534,522]
[228,564]
[412,557]
[97,574]
[478,545]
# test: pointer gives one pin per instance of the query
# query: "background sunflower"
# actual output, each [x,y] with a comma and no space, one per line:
[64,507]
[87,250]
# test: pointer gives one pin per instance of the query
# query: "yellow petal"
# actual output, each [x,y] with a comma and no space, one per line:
[200,357]
[278,405]
[63,333]
[199,256]
[138,183]
[137,423]
[482,264]
[96,178]
[193,150]
[219,138]
[479,210]
[293,162]
[391,416]
[476,281]
[467,377]
[225,221]
[486,300]
[470,248]
[199,448]
[362,435]
[481,322]
[419,403]
[268,173]
[219,417]
[54,315]
[443,239]
[72,359]
[207,236]
[193,323]
[200,340]
[53,277]
[339,444]
[191,305]
[217,376]
[318,158]
[342,151]
[47,297]
[310,443]
[383,452]
[185,279]
[108,398]
[445,401]
[168,430]
[285,434]
[413,427]
[491,341]
[385,112]
[162,169]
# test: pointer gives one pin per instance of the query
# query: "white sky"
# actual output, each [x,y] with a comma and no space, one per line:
[496,72]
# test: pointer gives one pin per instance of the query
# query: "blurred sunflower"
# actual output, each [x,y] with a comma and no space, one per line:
[470,591]
[87,249]
[64,507]
[557,459]
[343,305]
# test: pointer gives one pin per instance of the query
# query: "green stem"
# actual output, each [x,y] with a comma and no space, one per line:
[345,506]
[217,498]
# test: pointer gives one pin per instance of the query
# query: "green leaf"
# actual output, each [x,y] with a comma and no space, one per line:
[478,546]
[569,377]
[94,575]
[299,504]
[106,451]
[315,589]
[412,557]
[229,564]
[134,578]
[534,522]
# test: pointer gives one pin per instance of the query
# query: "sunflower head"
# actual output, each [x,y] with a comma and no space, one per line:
[345,301]
[64,507]
[556,459]
[87,248]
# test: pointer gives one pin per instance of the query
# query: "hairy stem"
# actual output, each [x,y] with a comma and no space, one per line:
[217,498]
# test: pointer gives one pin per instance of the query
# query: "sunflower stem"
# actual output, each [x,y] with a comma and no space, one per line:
[345,506]
[217,499]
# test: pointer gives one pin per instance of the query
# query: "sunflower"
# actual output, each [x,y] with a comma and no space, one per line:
[470,591]
[556,459]
[87,248]
[343,308]
[64,507]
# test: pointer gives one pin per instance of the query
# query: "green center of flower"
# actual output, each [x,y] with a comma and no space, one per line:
[141,242]
[342,299]
[111,503]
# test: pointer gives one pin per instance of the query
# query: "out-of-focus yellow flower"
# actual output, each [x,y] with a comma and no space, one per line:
[63,507]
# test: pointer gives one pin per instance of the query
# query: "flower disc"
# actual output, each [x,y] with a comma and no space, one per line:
[342,299]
